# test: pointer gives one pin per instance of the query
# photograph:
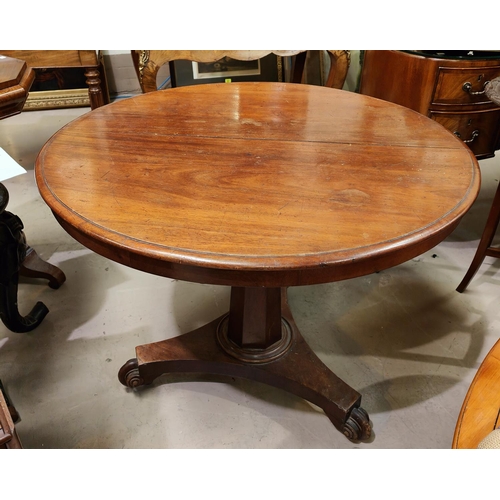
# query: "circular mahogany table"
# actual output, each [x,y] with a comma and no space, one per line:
[258,186]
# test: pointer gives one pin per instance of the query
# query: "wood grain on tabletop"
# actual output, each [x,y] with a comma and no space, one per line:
[313,183]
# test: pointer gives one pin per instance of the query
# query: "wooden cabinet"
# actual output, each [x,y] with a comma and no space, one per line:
[447,86]
[15,81]
[89,61]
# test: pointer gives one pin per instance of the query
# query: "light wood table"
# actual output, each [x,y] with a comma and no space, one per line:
[480,413]
[257,186]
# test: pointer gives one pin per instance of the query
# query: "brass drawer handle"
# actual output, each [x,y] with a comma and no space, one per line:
[474,135]
[467,86]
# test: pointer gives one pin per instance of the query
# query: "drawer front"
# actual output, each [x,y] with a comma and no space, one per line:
[463,86]
[480,131]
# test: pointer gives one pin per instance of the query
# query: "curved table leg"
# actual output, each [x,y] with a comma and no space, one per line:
[17,258]
[293,367]
[9,311]
[34,267]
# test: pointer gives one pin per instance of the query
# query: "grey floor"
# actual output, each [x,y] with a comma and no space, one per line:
[404,338]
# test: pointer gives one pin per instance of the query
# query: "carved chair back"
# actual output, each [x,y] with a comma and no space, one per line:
[148,62]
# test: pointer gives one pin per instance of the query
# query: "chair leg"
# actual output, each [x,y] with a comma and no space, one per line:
[13,412]
[8,434]
[299,62]
[485,242]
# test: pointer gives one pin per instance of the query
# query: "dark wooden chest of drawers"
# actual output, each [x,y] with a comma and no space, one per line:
[448,87]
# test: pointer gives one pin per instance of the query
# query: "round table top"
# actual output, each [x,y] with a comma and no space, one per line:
[257,184]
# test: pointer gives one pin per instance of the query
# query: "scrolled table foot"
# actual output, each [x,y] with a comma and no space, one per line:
[18,258]
[34,267]
[9,311]
[129,374]
[357,427]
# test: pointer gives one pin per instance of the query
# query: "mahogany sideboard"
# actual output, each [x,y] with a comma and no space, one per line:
[89,60]
[447,86]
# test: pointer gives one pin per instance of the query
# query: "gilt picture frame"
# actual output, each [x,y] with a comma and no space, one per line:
[58,88]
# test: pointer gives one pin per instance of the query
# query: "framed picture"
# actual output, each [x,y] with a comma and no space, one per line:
[58,88]
[267,69]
